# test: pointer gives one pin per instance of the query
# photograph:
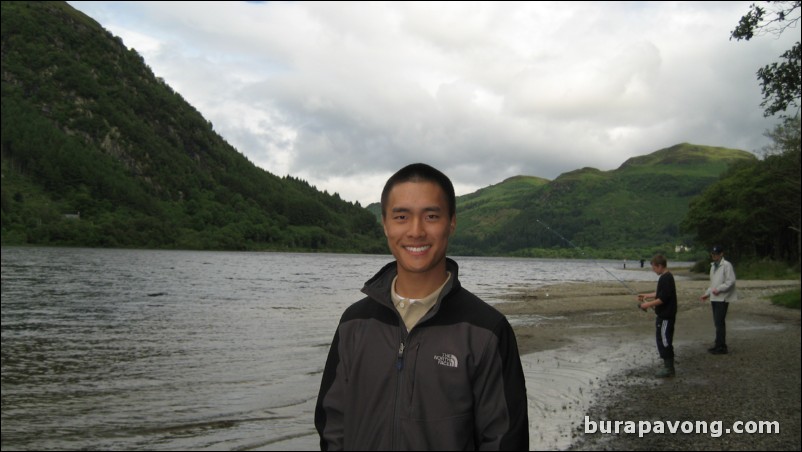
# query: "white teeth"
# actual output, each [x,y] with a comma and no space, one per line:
[418,249]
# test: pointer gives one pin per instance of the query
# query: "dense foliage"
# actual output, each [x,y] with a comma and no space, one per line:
[97,151]
[761,202]
[779,81]
[754,209]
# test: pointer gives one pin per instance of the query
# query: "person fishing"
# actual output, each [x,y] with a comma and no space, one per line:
[664,302]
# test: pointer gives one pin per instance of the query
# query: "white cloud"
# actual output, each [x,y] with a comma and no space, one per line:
[343,94]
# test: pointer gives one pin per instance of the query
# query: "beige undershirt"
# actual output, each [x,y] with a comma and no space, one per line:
[412,310]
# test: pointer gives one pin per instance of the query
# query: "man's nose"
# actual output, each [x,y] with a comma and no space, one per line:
[416,228]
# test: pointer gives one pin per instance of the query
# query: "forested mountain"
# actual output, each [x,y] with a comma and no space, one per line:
[638,206]
[97,151]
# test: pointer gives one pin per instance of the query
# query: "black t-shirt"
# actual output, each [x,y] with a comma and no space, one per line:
[667,293]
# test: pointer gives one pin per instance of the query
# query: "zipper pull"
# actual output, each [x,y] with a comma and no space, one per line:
[400,363]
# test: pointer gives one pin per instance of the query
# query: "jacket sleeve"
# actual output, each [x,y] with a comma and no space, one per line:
[709,291]
[500,411]
[330,409]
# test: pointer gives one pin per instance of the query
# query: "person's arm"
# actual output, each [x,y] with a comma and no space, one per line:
[330,410]
[500,409]
[651,304]
[644,303]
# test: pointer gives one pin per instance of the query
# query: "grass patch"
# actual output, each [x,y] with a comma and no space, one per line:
[765,269]
[790,299]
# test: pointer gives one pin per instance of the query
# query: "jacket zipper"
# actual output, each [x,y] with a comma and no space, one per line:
[399,366]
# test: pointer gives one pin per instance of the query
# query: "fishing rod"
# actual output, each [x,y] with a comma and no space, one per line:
[630,289]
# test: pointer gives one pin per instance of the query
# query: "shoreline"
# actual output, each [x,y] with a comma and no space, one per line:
[587,350]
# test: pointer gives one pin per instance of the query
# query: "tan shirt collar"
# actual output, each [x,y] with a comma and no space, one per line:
[413,310]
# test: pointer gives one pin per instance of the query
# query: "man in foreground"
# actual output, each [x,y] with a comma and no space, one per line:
[421,363]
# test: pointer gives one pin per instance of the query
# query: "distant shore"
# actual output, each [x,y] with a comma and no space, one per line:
[758,381]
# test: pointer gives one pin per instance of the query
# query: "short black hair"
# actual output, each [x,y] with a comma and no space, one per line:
[421,172]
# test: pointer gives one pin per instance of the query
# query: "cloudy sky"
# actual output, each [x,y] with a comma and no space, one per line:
[344,94]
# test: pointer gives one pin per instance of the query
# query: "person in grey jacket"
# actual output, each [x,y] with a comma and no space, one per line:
[421,363]
[720,293]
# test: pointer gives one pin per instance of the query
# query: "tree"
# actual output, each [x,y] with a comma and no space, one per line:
[754,208]
[784,155]
[780,81]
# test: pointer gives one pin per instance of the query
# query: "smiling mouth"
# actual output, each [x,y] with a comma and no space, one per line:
[417,249]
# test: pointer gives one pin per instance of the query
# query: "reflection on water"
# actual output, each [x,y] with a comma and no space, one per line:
[135,349]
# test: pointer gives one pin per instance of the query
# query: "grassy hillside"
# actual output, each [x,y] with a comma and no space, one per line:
[97,151]
[636,207]
[491,207]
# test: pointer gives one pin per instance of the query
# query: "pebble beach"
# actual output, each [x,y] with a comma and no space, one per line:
[589,351]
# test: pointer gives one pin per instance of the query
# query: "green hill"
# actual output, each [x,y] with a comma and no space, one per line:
[637,206]
[491,207]
[97,151]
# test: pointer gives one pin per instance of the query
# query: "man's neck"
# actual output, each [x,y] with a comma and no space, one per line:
[419,285]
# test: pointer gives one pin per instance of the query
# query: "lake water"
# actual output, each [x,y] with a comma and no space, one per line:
[181,350]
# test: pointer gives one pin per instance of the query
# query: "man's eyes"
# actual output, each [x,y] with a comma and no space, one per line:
[430,217]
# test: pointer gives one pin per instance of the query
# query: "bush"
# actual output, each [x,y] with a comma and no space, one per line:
[702,266]
[790,299]
[765,269]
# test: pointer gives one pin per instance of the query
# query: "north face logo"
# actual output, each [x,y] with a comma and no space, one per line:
[446,359]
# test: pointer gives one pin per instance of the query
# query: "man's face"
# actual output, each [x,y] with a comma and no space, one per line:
[716,256]
[417,225]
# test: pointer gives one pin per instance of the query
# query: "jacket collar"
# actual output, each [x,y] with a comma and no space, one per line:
[378,287]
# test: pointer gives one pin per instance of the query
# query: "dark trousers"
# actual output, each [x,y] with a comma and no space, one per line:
[719,316]
[665,337]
